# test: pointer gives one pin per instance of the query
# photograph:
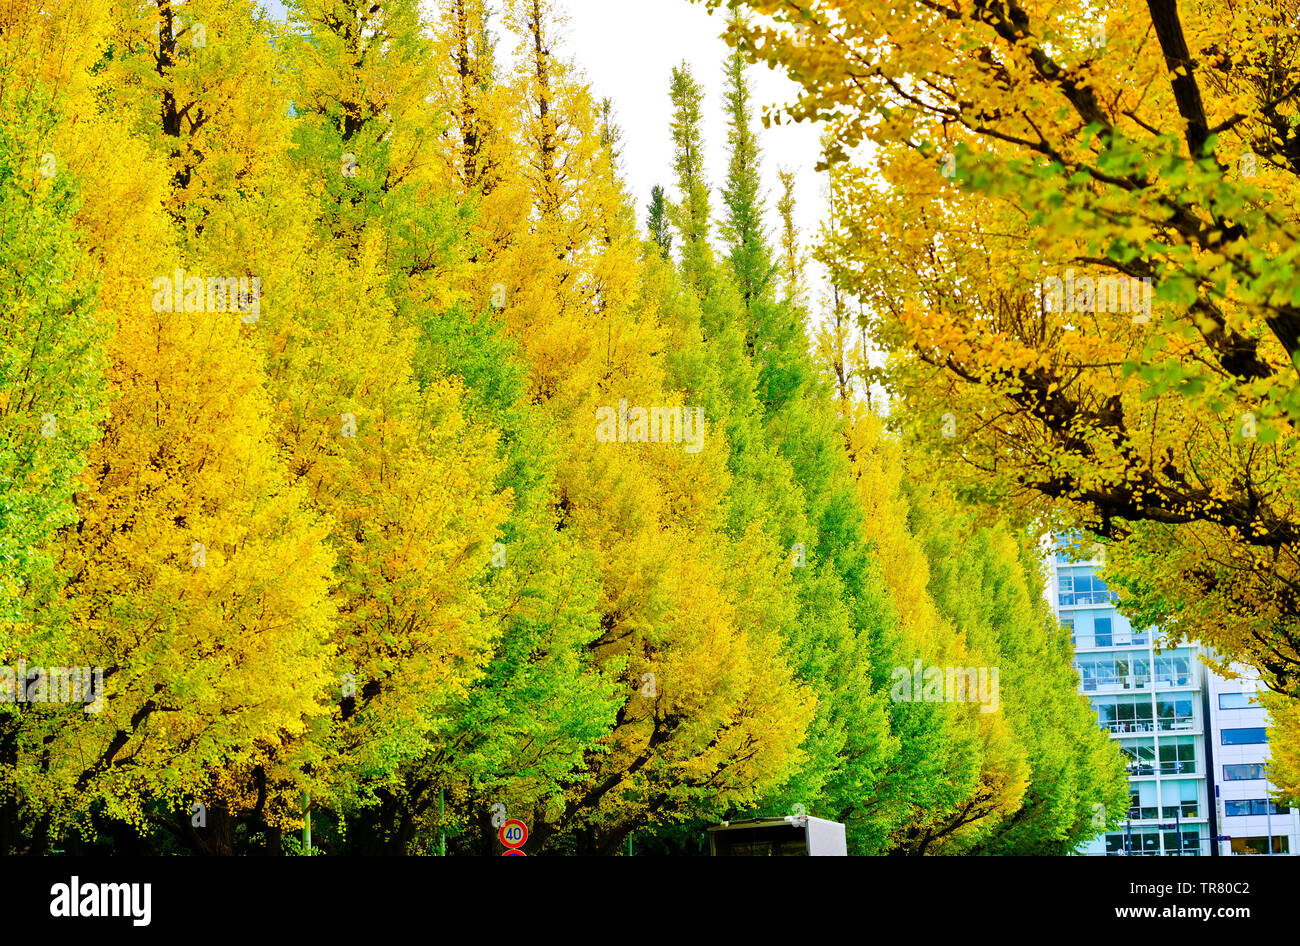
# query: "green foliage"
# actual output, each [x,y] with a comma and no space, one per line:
[369,555]
[51,354]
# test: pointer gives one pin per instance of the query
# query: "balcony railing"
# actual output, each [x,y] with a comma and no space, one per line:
[1129,727]
[1136,681]
[1068,599]
[1112,640]
[1185,767]
[1108,683]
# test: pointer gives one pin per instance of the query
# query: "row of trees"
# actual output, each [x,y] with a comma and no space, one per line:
[357,549]
[1142,157]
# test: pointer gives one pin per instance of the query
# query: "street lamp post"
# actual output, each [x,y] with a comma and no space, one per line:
[1178,810]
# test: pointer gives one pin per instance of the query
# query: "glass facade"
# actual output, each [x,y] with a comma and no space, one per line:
[1148,698]
[1196,743]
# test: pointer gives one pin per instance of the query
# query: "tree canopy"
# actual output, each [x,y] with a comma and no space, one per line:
[395,474]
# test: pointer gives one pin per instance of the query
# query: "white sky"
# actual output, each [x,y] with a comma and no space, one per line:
[627,49]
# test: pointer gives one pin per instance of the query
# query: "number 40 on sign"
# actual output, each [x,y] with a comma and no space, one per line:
[513,834]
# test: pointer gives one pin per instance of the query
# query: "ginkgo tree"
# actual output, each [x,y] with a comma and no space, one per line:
[1071,230]
[340,521]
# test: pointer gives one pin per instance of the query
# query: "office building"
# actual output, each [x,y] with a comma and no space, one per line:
[1194,741]
[1250,822]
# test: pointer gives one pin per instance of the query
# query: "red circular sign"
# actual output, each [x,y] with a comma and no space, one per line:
[513,852]
[513,833]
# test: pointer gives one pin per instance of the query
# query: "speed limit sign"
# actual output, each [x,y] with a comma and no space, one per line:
[513,833]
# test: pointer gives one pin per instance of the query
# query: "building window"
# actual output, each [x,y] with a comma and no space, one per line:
[1142,802]
[1174,670]
[1237,701]
[1245,737]
[1243,772]
[1178,756]
[1175,712]
[1141,756]
[1281,845]
[1179,800]
[1114,672]
[1136,842]
[1125,714]
[1083,589]
[1102,636]
[1190,846]
[1241,807]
